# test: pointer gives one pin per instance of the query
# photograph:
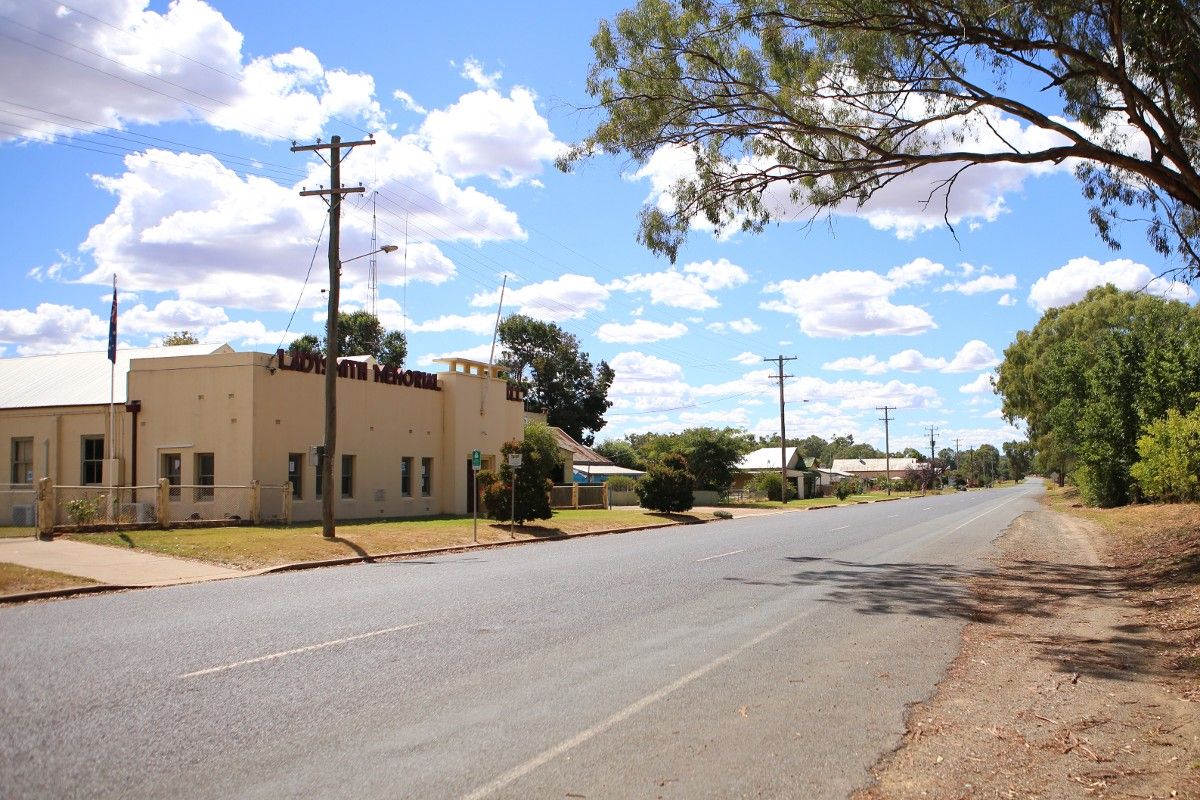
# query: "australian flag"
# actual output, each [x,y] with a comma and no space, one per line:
[112,327]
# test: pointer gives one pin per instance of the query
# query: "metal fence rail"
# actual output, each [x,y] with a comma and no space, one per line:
[103,505]
[18,509]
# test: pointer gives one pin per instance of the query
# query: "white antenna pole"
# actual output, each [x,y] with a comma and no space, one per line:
[492,353]
[373,277]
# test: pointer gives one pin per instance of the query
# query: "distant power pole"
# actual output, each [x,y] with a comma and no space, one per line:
[932,456]
[887,447]
[783,483]
[956,452]
[332,196]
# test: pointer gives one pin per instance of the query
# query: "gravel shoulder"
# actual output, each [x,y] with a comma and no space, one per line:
[1077,677]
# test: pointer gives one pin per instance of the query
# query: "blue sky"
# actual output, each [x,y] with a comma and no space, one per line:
[153,141]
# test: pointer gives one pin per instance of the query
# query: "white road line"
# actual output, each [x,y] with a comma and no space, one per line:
[549,754]
[990,510]
[842,528]
[926,508]
[236,664]
[892,516]
[720,555]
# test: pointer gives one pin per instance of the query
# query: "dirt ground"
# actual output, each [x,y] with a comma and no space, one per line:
[1080,670]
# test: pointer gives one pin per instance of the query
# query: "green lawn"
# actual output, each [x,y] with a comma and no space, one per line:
[267,546]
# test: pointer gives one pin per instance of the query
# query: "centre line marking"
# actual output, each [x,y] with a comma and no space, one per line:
[720,555]
[892,516]
[831,530]
[236,664]
[926,508]
[551,753]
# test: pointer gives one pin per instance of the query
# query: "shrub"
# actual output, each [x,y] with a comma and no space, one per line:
[667,485]
[1169,451]
[844,489]
[769,482]
[85,510]
[621,483]
[539,458]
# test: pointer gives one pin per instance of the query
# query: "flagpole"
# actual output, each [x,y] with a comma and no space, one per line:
[112,380]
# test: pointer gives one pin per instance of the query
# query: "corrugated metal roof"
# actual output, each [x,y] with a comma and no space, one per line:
[853,465]
[767,458]
[79,379]
[579,453]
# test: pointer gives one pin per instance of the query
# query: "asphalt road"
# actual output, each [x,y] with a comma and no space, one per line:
[768,657]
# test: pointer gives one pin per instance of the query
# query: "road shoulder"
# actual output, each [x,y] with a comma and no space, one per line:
[1064,687]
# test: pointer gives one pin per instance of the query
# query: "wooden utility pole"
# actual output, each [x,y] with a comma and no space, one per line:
[783,481]
[333,197]
[932,444]
[887,446]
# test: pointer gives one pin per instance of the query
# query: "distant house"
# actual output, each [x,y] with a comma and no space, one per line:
[599,473]
[873,468]
[581,464]
[826,478]
[766,459]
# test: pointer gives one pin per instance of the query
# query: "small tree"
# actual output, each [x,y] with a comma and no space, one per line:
[667,485]
[178,338]
[769,482]
[539,458]
[1169,468]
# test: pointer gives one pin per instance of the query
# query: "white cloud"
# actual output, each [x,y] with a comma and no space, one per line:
[473,70]
[479,324]
[984,283]
[485,133]
[744,326]
[973,355]
[844,303]
[568,297]
[869,365]
[408,102]
[689,288]
[479,352]
[133,67]
[53,328]
[982,383]
[1006,300]
[917,271]
[746,358]
[1070,282]
[640,332]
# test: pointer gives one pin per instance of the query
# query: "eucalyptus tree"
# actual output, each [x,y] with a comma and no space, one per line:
[783,106]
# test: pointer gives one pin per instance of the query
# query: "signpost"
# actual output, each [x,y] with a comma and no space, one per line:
[514,461]
[476,463]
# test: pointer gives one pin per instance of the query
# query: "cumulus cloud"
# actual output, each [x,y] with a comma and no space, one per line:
[844,303]
[746,358]
[982,383]
[479,324]
[640,332]
[62,71]
[972,356]
[744,326]
[568,297]
[53,328]
[691,287]
[1006,300]
[485,133]
[984,283]
[1070,282]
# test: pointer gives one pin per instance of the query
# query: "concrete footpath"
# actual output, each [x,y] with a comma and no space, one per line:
[109,565]
[120,568]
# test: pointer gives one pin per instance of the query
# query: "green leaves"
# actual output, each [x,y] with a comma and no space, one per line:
[834,100]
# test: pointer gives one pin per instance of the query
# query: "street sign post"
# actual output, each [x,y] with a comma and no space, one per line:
[476,463]
[514,461]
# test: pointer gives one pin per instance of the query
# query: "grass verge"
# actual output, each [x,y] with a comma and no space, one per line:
[270,546]
[15,579]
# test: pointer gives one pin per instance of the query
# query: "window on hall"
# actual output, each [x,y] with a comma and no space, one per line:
[296,474]
[172,470]
[22,461]
[406,476]
[93,461]
[205,476]
[426,477]
[320,472]
[347,476]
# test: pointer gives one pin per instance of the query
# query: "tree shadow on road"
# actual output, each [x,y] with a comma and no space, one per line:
[999,598]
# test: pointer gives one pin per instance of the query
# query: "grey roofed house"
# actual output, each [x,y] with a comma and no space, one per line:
[874,467]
